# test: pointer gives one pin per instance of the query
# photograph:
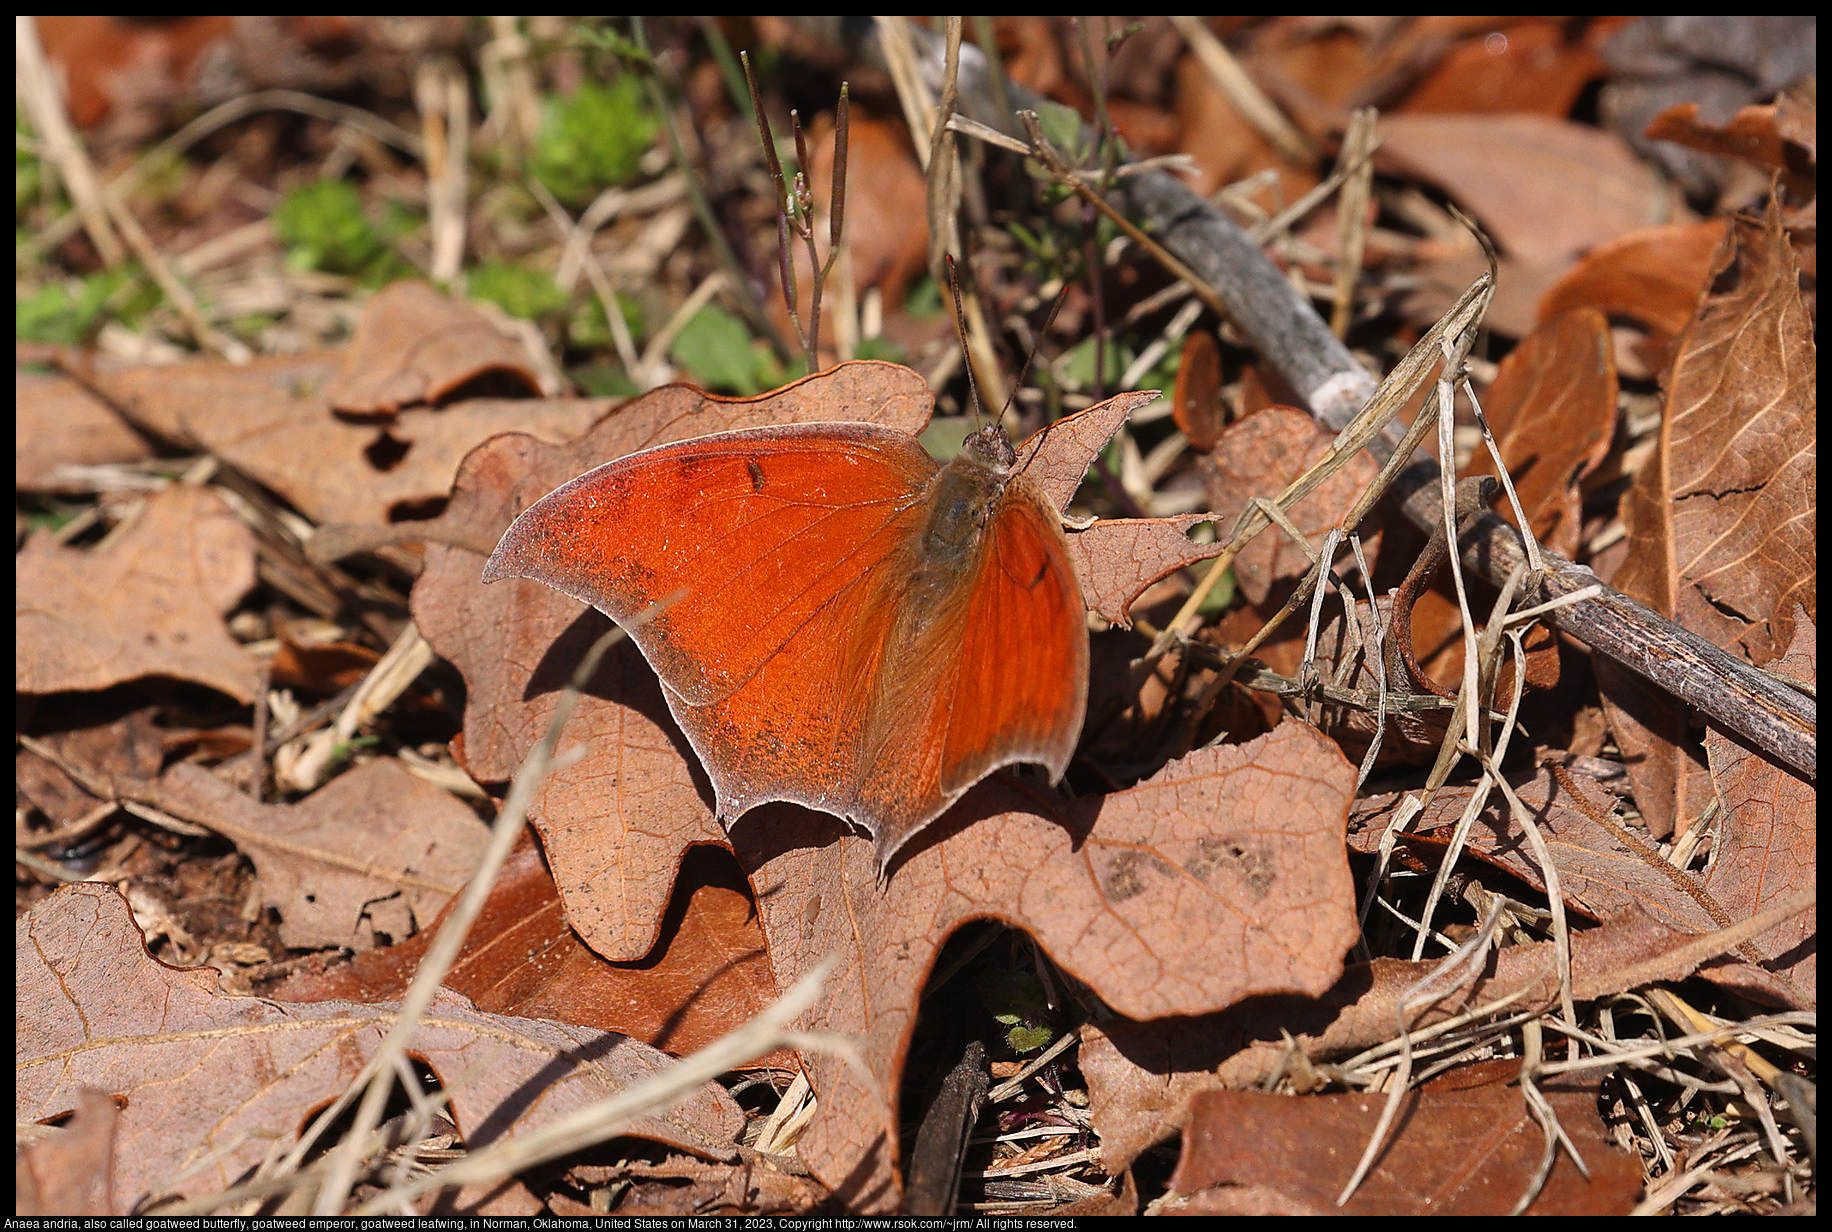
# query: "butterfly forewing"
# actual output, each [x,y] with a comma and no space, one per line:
[753,531]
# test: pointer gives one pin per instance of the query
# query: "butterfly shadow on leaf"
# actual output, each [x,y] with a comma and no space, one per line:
[624,679]
[1003,806]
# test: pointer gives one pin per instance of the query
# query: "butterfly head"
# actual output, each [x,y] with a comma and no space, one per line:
[991,448]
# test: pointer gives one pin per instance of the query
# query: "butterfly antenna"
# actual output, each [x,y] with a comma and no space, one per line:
[1036,345]
[960,327]
[1029,361]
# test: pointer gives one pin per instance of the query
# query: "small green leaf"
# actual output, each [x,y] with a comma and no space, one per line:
[603,379]
[1029,1039]
[1077,366]
[943,438]
[322,226]
[716,348]
[1061,127]
[1016,1001]
[69,313]
[881,348]
[593,139]
[1053,193]
[517,290]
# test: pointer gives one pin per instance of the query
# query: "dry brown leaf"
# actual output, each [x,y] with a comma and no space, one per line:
[1737,455]
[1219,879]
[1464,1144]
[1532,65]
[1259,456]
[1797,115]
[709,972]
[1324,65]
[158,398]
[413,345]
[97,737]
[1771,827]
[1548,190]
[1223,144]
[148,602]
[371,856]
[264,416]
[200,1075]
[1116,559]
[1720,518]
[1059,456]
[1552,410]
[61,424]
[70,1172]
[1605,868]
[1196,404]
[1142,1075]
[1752,135]
[1654,276]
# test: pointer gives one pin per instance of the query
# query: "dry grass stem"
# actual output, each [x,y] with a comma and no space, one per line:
[764,1033]
[38,91]
[1248,99]
[1358,146]
[378,1073]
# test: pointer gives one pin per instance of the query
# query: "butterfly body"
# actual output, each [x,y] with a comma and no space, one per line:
[858,630]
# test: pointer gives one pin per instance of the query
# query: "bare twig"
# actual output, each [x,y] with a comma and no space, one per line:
[785,207]
[836,198]
[1060,168]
